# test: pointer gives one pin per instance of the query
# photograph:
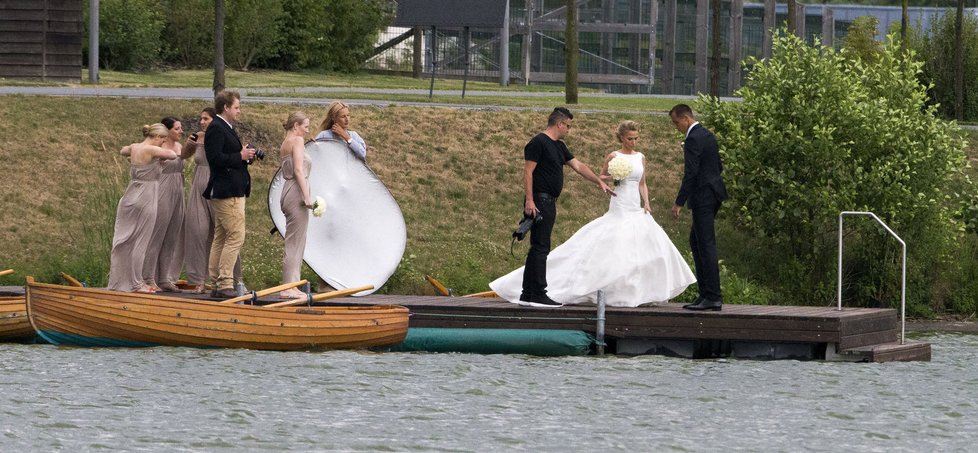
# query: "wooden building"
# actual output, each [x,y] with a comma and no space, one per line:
[41,40]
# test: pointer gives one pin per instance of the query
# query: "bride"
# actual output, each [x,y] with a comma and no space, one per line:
[624,252]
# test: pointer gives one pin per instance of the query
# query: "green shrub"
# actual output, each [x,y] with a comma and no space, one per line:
[189,33]
[251,35]
[337,35]
[937,50]
[129,34]
[821,131]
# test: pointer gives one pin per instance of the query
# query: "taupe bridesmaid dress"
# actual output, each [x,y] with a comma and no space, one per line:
[198,225]
[134,221]
[165,252]
[296,219]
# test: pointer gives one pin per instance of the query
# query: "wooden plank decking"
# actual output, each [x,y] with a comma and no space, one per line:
[737,330]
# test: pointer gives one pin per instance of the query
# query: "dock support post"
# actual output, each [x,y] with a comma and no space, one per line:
[599,330]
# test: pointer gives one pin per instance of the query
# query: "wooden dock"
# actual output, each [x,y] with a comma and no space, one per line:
[741,331]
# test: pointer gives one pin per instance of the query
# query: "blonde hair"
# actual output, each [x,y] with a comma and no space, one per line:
[155,130]
[331,113]
[625,127]
[296,117]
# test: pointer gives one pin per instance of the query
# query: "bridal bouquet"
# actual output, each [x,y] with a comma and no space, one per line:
[319,207]
[619,168]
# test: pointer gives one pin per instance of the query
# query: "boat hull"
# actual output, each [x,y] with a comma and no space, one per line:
[94,317]
[14,325]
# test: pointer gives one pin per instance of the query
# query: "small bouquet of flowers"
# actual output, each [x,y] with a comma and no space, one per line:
[319,207]
[619,168]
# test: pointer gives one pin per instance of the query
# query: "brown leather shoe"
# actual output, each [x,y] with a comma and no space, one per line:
[225,293]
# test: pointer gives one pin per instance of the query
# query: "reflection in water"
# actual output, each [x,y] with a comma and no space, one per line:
[178,399]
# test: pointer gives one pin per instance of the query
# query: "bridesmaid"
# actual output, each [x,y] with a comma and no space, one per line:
[296,200]
[198,222]
[336,126]
[165,254]
[136,214]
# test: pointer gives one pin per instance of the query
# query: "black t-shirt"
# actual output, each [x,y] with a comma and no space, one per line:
[550,156]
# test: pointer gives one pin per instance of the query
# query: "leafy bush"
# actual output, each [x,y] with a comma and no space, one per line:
[821,131]
[337,35]
[189,33]
[129,34]
[252,31]
[937,49]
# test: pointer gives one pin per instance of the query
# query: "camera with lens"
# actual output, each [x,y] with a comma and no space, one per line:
[525,225]
[259,153]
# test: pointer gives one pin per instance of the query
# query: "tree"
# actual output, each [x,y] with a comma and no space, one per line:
[218,46]
[251,27]
[570,53]
[129,34]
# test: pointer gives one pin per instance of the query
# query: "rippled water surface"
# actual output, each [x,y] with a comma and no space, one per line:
[176,399]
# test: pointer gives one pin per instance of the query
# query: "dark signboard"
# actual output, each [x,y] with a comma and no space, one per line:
[451,13]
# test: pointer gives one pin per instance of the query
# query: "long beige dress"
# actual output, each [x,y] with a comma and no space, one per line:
[134,221]
[296,219]
[165,252]
[198,225]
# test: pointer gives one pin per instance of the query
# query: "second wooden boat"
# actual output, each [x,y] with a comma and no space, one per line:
[95,317]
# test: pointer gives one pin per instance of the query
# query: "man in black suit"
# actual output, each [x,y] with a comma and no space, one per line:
[702,190]
[227,188]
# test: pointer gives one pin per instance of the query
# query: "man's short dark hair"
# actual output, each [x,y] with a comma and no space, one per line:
[224,99]
[559,114]
[681,110]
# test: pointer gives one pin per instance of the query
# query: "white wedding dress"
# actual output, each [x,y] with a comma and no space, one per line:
[624,252]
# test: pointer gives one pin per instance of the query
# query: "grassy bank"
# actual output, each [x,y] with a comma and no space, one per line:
[455,174]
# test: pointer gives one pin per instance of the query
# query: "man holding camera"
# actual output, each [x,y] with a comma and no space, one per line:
[543,177]
[229,185]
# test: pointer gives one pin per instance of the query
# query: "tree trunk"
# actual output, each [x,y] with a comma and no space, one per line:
[570,49]
[715,49]
[904,18]
[792,16]
[218,46]
[959,64]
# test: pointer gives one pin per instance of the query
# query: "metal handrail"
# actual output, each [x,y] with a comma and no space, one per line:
[903,273]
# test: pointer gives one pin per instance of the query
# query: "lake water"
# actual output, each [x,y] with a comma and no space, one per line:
[178,399]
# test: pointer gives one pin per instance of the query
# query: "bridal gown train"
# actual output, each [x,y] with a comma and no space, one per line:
[624,252]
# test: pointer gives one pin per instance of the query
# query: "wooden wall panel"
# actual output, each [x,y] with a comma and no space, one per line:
[41,39]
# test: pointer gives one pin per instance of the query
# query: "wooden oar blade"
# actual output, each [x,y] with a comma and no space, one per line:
[321,296]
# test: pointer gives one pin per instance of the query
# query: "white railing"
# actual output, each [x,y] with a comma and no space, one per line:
[903,272]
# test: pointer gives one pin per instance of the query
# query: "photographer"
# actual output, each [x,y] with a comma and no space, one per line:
[543,177]
[227,188]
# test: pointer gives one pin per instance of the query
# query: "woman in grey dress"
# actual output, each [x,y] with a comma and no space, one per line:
[165,253]
[136,214]
[198,221]
[296,200]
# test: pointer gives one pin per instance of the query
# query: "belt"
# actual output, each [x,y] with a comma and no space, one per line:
[543,196]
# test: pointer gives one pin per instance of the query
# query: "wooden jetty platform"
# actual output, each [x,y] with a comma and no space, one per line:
[741,331]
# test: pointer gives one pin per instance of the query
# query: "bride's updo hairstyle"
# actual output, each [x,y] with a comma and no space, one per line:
[155,130]
[296,117]
[625,127]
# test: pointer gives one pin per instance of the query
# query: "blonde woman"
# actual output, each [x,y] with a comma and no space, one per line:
[136,214]
[336,126]
[296,199]
[165,253]
[624,252]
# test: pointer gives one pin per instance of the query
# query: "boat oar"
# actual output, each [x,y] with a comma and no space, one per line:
[321,296]
[71,280]
[438,286]
[263,292]
[486,294]
[6,272]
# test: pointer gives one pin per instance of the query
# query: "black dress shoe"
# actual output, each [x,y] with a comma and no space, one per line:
[226,293]
[539,300]
[695,302]
[705,304]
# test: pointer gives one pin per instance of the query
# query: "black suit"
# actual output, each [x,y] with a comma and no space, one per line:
[702,190]
[229,174]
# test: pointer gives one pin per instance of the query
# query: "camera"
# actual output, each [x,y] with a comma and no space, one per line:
[525,225]
[259,153]
[193,137]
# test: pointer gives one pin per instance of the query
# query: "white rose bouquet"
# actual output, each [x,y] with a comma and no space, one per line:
[619,168]
[319,207]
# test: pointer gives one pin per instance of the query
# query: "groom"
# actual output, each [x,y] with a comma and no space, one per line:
[702,190]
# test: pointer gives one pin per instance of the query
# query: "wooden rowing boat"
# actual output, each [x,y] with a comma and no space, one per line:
[14,325]
[68,315]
